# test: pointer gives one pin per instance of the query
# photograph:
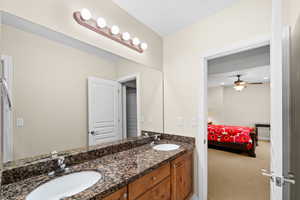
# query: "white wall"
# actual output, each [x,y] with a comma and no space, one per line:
[244,20]
[245,108]
[57,15]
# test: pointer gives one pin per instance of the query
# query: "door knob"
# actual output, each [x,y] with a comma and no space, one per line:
[93,132]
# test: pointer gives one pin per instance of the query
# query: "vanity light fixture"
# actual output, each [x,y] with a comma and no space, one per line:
[85,14]
[144,45]
[136,41]
[99,25]
[126,36]
[115,30]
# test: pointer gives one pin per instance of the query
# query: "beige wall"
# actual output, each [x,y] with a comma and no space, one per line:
[244,20]
[245,108]
[291,12]
[215,104]
[151,93]
[57,15]
[49,92]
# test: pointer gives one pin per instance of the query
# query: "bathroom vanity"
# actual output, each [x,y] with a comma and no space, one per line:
[130,170]
[170,181]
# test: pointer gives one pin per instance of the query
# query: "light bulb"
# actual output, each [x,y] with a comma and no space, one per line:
[101,23]
[125,36]
[144,45]
[85,14]
[115,30]
[135,41]
[239,88]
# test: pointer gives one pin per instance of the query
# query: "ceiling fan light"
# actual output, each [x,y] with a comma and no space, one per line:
[239,88]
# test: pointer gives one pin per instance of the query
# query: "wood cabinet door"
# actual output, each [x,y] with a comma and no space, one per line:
[182,177]
[118,195]
[143,184]
[162,191]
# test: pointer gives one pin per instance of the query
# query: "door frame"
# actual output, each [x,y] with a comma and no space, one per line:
[7,117]
[125,79]
[201,137]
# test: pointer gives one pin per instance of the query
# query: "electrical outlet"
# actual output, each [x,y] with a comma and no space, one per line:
[20,123]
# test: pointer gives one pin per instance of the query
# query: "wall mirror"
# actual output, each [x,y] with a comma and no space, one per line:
[66,94]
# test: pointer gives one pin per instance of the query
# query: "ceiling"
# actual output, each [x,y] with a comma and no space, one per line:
[256,74]
[169,16]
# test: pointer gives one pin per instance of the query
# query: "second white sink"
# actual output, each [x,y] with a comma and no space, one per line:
[65,186]
[166,147]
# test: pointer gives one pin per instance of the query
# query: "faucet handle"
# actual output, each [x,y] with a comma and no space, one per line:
[54,154]
[60,160]
[157,137]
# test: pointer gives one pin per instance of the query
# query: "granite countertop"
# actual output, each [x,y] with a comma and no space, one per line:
[117,169]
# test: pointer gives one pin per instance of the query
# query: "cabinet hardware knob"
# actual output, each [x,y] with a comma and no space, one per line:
[154,178]
[125,196]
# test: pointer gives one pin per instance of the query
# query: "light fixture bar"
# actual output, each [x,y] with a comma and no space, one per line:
[106,31]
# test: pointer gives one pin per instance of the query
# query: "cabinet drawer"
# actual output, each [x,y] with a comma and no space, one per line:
[162,191]
[118,195]
[146,182]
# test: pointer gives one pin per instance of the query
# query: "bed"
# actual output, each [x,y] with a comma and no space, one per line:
[238,138]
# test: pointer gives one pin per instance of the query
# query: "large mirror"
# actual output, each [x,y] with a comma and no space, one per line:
[66,94]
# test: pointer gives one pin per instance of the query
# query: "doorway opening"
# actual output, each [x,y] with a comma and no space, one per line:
[202,136]
[129,109]
[238,130]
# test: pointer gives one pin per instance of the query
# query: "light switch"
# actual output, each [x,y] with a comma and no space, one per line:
[20,123]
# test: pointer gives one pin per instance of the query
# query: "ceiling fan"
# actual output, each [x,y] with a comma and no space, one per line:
[239,84]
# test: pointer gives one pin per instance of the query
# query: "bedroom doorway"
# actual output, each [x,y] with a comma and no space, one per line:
[238,130]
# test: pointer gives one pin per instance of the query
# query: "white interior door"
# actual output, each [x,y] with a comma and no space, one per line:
[104,111]
[277,100]
[292,147]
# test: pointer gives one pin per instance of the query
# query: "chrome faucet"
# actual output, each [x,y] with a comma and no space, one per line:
[156,138]
[60,163]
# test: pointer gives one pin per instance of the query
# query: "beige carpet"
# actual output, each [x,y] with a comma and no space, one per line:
[233,176]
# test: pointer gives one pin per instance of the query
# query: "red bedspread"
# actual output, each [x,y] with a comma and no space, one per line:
[230,134]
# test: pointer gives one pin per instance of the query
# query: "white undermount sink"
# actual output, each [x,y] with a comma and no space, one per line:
[166,147]
[65,186]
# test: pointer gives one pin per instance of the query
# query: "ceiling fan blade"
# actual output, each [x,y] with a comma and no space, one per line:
[256,83]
